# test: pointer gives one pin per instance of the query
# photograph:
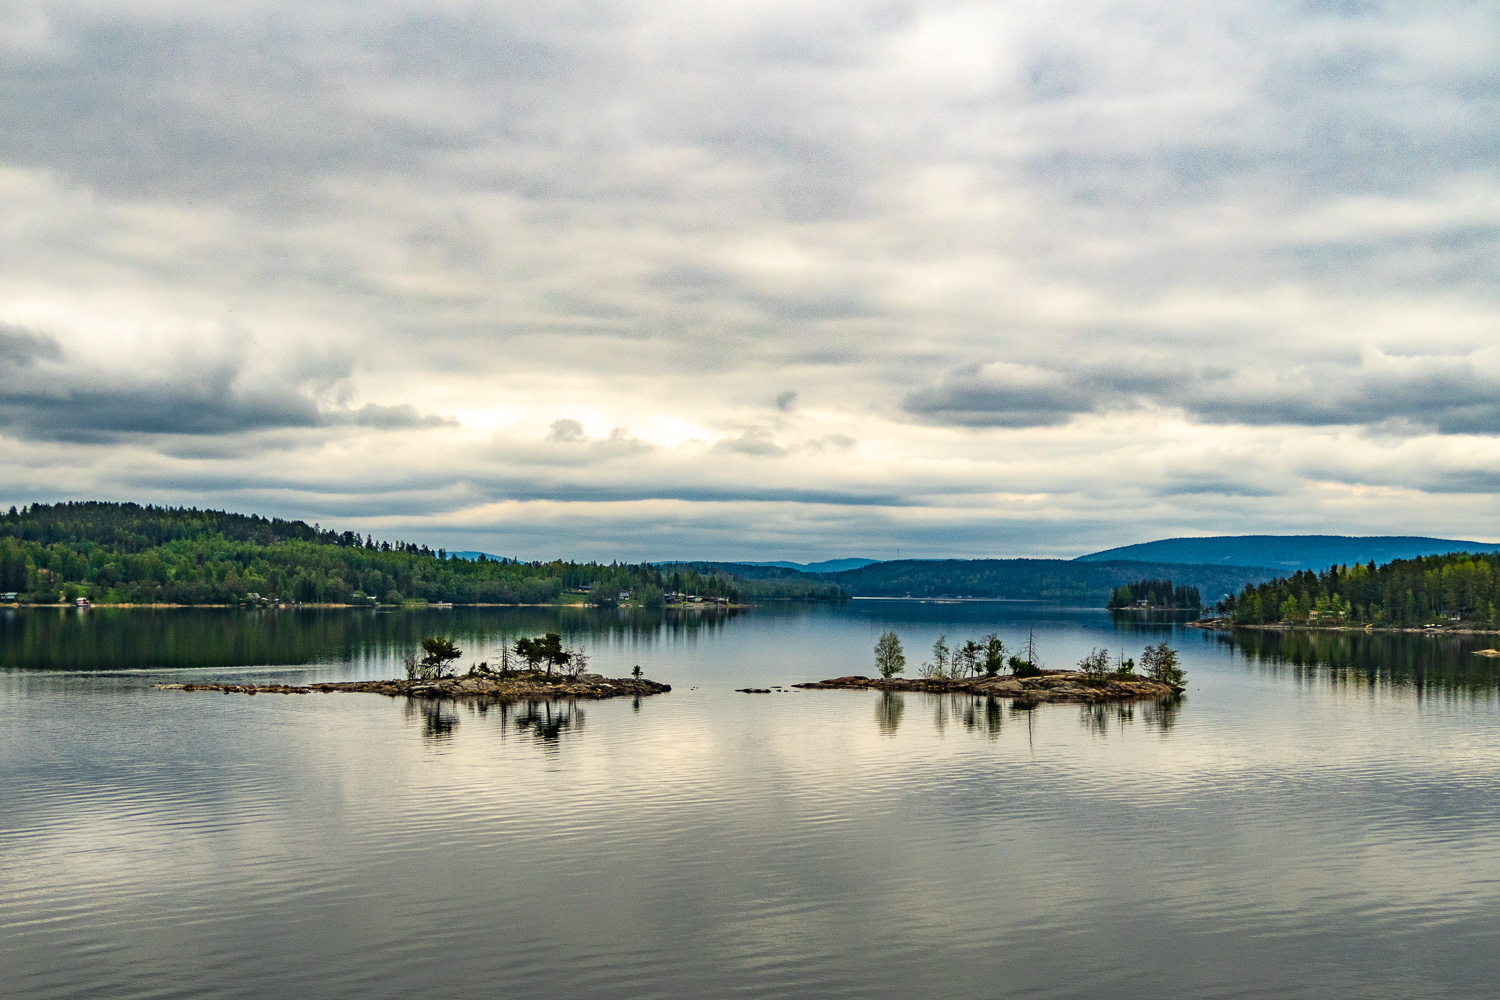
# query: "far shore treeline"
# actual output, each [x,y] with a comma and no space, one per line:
[1458,588]
[1155,594]
[128,553]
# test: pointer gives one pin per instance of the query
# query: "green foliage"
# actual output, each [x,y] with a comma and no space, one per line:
[1095,666]
[439,652]
[994,654]
[1156,594]
[941,663]
[547,648]
[1032,579]
[127,553]
[1458,588]
[890,659]
[1160,664]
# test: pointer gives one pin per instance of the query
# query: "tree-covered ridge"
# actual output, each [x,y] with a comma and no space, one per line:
[1459,587]
[1155,594]
[128,553]
[1033,579]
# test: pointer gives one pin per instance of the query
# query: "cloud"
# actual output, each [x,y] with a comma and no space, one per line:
[50,395]
[566,432]
[1199,268]
[21,347]
[1410,395]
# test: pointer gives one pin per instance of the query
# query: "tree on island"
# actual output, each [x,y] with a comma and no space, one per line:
[941,661]
[994,654]
[439,651]
[1094,667]
[1160,664]
[890,659]
[1027,667]
[546,648]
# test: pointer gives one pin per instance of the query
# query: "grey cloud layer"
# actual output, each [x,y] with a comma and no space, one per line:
[47,395]
[1450,396]
[828,240]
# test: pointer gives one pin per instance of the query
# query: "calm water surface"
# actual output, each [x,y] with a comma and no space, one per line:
[1318,817]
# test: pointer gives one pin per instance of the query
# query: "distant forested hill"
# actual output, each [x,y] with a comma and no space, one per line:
[1035,579]
[1288,552]
[124,552]
[770,581]
[1445,589]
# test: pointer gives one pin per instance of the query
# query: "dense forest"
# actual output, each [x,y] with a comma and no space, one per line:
[1155,594]
[1459,587]
[769,582]
[1032,579]
[127,553]
[1288,553]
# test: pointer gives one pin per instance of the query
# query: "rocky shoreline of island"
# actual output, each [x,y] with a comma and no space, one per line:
[593,687]
[1049,686]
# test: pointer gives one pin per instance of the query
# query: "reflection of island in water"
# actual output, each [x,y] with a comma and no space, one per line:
[987,716]
[546,722]
[1378,659]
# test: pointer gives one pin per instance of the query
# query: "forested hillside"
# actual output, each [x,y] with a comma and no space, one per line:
[1288,553]
[1459,587]
[1033,579]
[122,552]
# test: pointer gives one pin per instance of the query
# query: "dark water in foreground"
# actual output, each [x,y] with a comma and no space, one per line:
[1319,817]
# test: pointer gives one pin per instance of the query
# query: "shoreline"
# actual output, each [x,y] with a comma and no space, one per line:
[1224,625]
[1050,687]
[433,606]
[592,687]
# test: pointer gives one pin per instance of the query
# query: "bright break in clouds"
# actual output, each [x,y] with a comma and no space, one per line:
[757,280]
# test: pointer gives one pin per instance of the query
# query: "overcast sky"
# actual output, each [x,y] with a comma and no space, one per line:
[757,279]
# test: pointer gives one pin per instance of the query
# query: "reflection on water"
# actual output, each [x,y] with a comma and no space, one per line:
[889,707]
[438,717]
[1378,659]
[103,638]
[547,721]
[1162,715]
[1265,837]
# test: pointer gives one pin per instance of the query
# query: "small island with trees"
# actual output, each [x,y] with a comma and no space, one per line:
[538,668]
[1155,595]
[978,667]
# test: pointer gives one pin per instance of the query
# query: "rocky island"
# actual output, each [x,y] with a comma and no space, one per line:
[489,687]
[1049,686]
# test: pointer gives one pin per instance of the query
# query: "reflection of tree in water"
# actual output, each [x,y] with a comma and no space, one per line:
[983,715]
[1099,717]
[889,708]
[546,721]
[1162,715]
[976,715]
[438,718]
[1424,663]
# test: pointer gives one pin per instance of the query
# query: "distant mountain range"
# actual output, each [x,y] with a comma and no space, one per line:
[1288,553]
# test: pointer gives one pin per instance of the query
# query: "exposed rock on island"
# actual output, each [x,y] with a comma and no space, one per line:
[493,687]
[1058,686]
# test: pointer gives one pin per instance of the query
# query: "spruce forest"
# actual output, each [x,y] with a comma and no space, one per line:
[1459,588]
[128,553]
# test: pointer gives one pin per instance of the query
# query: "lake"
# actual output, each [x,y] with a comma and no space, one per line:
[1319,816]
